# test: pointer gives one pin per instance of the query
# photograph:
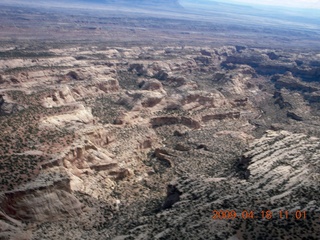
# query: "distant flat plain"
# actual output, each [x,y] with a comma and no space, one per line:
[217,25]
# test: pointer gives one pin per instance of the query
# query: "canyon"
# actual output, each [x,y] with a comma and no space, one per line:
[146,139]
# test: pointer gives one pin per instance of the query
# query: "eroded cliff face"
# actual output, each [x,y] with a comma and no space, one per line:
[92,136]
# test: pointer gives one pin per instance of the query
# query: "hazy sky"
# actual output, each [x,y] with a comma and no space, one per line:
[286,3]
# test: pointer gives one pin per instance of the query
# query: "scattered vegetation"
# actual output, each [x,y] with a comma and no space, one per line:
[17,53]
[21,132]
[17,169]
[106,109]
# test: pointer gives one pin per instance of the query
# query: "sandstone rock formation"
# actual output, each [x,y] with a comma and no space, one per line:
[280,176]
[102,142]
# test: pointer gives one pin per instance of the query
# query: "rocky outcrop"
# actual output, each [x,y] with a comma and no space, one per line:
[150,100]
[313,97]
[189,122]
[161,121]
[49,199]
[309,91]
[281,175]
[12,229]
[280,101]
[61,97]
[7,108]
[168,72]
[80,115]
[241,102]
[164,156]
[175,81]
[261,62]
[150,85]
[205,52]
[85,156]
[74,75]
[270,63]
[120,174]
[110,85]
[287,168]
[221,116]
[294,116]
[292,84]
[137,68]
[201,100]
[203,60]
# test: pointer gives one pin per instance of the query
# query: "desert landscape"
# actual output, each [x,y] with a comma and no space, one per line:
[154,121]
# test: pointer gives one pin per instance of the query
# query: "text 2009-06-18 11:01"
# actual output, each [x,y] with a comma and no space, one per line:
[264,214]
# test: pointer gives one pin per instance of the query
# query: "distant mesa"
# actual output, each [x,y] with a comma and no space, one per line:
[150,4]
[140,3]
